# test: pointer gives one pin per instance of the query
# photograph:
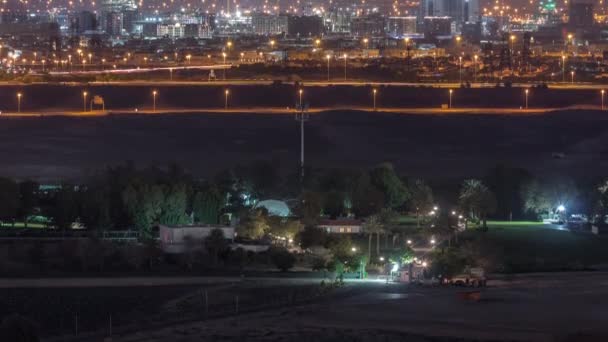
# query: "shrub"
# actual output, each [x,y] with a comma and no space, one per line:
[282,259]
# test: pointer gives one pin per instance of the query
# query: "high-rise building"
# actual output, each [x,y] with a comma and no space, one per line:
[372,25]
[337,20]
[305,26]
[461,11]
[84,21]
[437,26]
[581,14]
[398,27]
[267,24]
[114,10]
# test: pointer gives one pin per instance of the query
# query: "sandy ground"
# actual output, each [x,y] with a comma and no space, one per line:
[543,307]
[420,145]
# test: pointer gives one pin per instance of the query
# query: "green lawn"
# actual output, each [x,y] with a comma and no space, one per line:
[515,224]
[538,249]
[20,225]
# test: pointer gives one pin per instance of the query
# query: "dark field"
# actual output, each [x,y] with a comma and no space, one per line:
[50,148]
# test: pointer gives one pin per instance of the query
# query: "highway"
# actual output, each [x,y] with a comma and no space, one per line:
[291,111]
[312,83]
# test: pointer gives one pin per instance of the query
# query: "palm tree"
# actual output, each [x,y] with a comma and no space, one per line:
[370,226]
[477,200]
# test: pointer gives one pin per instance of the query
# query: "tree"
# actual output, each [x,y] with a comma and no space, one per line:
[386,180]
[207,205]
[421,200]
[144,204]
[477,200]
[254,225]
[546,197]
[64,209]
[282,259]
[506,183]
[310,205]
[373,225]
[333,204]
[312,236]
[9,199]
[215,243]
[28,200]
[284,227]
[95,209]
[174,205]
[366,198]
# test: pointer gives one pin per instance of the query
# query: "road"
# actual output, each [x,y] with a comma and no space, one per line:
[290,111]
[313,83]
[541,307]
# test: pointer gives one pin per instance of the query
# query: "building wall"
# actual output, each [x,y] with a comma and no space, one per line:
[266,24]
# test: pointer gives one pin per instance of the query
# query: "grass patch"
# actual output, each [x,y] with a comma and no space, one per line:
[538,249]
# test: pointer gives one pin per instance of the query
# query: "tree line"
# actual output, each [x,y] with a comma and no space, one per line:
[125,197]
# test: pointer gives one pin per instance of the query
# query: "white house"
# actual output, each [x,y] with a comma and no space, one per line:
[173,238]
[341,226]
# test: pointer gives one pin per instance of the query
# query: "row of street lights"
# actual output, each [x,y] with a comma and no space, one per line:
[155,93]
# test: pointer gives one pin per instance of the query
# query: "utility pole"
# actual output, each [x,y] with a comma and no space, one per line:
[302,116]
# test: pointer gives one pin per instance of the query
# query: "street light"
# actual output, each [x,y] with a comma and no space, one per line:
[527,91]
[460,69]
[19,102]
[603,92]
[381,258]
[300,92]
[572,76]
[475,69]
[188,58]
[354,249]
[450,106]
[563,68]
[154,93]
[328,58]
[345,56]
[272,42]
[409,242]
[226,93]
[375,91]
[224,70]
[84,101]
[512,41]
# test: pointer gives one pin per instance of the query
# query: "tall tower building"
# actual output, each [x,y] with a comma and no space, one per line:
[581,13]
[117,16]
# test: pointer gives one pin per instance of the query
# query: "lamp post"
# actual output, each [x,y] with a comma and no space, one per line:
[300,93]
[572,77]
[475,69]
[603,92]
[512,41]
[527,91]
[451,91]
[19,102]
[226,93]
[224,70]
[345,56]
[460,69]
[84,101]
[154,93]
[375,91]
[43,63]
[563,68]
[328,58]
